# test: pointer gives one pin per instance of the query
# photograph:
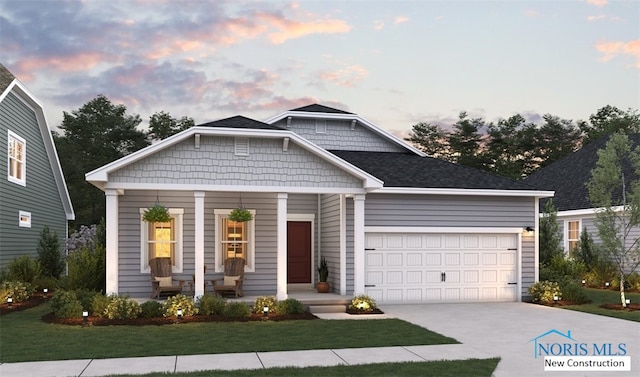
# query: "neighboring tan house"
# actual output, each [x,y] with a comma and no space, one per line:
[33,193]
[568,178]
[391,222]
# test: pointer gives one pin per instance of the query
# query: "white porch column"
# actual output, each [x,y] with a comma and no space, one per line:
[281,271]
[358,244]
[112,224]
[199,286]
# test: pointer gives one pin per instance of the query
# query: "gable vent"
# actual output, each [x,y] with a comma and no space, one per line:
[242,146]
[321,126]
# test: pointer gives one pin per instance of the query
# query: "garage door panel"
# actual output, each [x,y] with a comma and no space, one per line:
[441,267]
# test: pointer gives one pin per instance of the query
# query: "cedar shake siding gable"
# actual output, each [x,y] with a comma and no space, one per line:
[214,163]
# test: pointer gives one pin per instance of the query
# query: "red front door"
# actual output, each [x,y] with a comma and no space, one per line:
[298,252]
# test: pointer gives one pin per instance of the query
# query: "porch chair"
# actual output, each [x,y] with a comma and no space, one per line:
[161,279]
[232,280]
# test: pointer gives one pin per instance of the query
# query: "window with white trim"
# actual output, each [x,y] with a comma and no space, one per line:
[162,240]
[17,159]
[572,236]
[234,239]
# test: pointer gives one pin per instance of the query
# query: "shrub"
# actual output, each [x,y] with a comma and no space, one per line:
[49,254]
[573,292]
[122,307]
[99,305]
[85,297]
[65,304]
[210,304]
[601,272]
[48,282]
[634,281]
[86,269]
[151,309]
[261,302]
[17,290]
[171,306]
[543,292]
[363,303]
[236,310]
[25,269]
[290,306]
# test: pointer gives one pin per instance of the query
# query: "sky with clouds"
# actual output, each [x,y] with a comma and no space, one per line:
[395,63]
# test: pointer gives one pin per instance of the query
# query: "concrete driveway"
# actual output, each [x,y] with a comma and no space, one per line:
[506,329]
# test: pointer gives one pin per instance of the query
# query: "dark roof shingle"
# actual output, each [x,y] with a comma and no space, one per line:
[568,176]
[6,77]
[411,170]
[240,122]
[315,108]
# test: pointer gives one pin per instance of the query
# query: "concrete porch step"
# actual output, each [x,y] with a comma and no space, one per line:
[327,308]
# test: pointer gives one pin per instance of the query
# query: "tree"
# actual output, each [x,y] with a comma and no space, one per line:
[430,139]
[465,142]
[556,139]
[549,234]
[608,120]
[94,135]
[162,125]
[49,254]
[509,147]
[614,189]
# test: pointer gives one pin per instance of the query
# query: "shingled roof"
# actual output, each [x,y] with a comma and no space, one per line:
[240,122]
[6,77]
[568,176]
[411,170]
[315,108]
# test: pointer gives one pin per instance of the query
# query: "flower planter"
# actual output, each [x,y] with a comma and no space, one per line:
[322,287]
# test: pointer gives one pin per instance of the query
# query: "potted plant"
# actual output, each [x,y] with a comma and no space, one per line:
[156,214]
[240,215]
[323,273]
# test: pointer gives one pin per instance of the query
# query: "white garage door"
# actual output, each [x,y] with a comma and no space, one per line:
[441,267]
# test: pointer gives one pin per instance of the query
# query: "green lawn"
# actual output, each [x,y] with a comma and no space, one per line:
[24,337]
[469,368]
[599,297]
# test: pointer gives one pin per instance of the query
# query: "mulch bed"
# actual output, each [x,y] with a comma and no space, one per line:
[629,308]
[361,312]
[159,321]
[35,300]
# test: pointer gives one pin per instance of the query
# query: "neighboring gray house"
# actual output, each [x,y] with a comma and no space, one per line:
[391,222]
[568,178]
[33,193]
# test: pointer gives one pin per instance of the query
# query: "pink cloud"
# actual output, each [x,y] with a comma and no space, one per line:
[596,18]
[400,20]
[348,76]
[611,50]
[598,3]
[378,24]
[80,61]
[290,29]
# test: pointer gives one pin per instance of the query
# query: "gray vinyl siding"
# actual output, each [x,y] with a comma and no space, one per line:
[330,234]
[528,266]
[215,163]
[340,136]
[448,211]
[136,284]
[40,195]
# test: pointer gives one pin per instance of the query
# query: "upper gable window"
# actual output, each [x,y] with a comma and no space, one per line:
[17,153]
[321,126]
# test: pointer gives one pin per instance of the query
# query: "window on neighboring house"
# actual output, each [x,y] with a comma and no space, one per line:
[17,153]
[234,239]
[162,240]
[573,236]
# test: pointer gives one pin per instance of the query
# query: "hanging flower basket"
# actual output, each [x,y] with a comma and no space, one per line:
[240,215]
[156,214]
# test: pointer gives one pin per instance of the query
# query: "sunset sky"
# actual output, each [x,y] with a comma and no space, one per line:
[395,63]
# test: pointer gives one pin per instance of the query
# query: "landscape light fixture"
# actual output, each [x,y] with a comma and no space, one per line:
[584,282]
[10,302]
[265,310]
[179,313]
[555,298]
[606,284]
[85,317]
[628,301]
[44,292]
